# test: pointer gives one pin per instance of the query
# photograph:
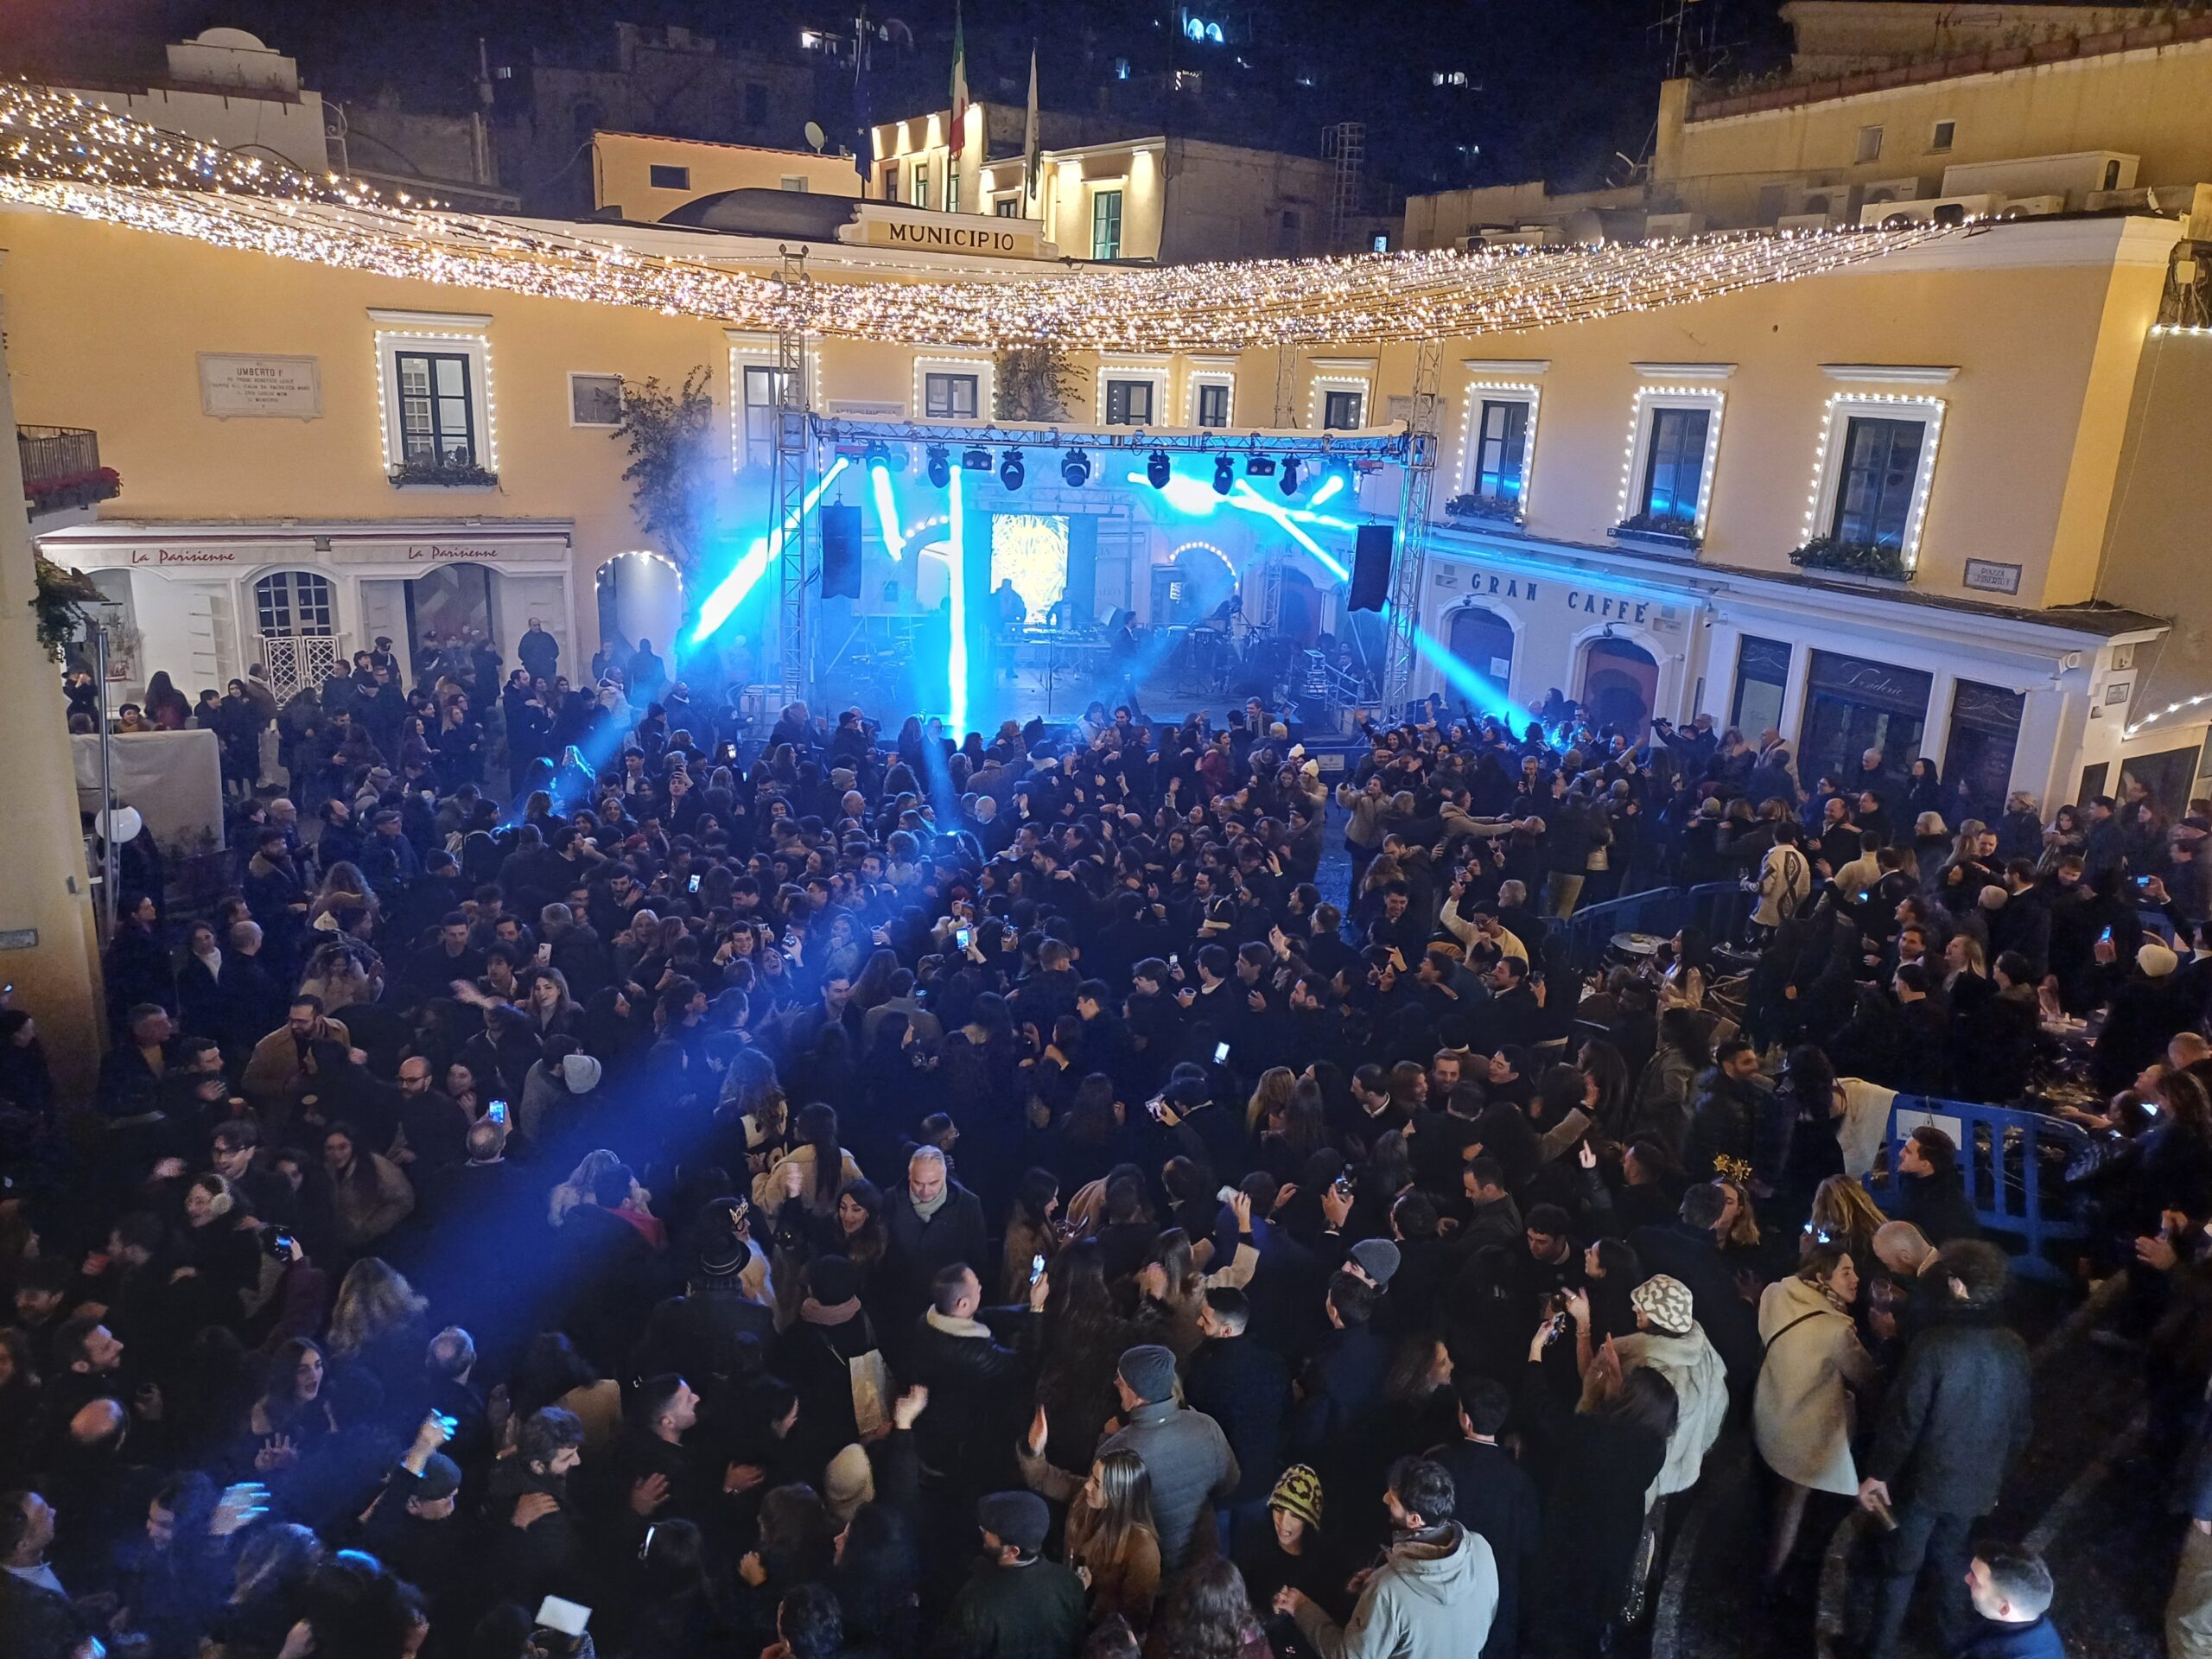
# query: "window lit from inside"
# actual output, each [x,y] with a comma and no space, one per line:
[1673,470]
[1129,403]
[1106,224]
[1501,452]
[1213,405]
[436,415]
[1881,463]
[1340,410]
[950,397]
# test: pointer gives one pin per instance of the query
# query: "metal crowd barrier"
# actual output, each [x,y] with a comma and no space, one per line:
[1721,909]
[2001,1160]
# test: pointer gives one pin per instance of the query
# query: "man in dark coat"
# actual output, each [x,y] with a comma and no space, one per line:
[1495,1499]
[1954,1419]
[933,1222]
[1245,1388]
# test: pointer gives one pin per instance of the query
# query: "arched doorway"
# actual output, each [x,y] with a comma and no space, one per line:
[640,597]
[295,614]
[1620,684]
[1484,641]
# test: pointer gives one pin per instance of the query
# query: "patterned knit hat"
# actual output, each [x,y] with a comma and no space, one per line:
[1299,1493]
[1666,1302]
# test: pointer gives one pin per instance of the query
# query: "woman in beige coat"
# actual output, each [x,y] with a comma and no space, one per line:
[1801,1413]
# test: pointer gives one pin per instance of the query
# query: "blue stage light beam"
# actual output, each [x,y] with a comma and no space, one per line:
[955,566]
[1331,486]
[886,509]
[722,603]
[1188,496]
[1251,500]
[1478,691]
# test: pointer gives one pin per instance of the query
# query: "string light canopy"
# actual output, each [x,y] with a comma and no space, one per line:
[63,154]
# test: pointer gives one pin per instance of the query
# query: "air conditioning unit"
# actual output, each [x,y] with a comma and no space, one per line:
[1890,190]
[1930,210]
[1807,222]
[1658,227]
[2072,175]
[2106,201]
[2032,206]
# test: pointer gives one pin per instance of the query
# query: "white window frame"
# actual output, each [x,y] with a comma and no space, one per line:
[983,367]
[1648,401]
[1200,378]
[576,375]
[1127,368]
[1480,391]
[1327,380]
[454,333]
[1829,458]
[1935,132]
[758,351]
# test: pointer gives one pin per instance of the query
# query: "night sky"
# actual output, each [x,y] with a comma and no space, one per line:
[1554,87]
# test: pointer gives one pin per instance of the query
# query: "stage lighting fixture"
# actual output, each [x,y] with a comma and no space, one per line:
[1225,475]
[976,460]
[877,454]
[1011,472]
[940,464]
[1074,469]
[1158,469]
[1290,475]
[1259,467]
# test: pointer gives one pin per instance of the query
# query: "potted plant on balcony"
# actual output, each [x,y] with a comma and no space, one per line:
[1880,560]
[1661,529]
[1473,508]
[430,473]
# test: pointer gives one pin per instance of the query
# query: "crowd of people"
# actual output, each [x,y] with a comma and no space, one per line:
[897,1199]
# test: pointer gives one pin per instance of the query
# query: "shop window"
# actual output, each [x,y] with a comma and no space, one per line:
[1978,755]
[1484,641]
[1620,681]
[1853,704]
[1881,466]
[1762,683]
[1341,411]
[289,604]
[1129,403]
[951,397]
[1502,451]
[1106,224]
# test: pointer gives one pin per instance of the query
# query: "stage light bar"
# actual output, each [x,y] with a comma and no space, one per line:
[940,464]
[1011,471]
[1074,469]
[1259,467]
[976,460]
[1158,469]
[1225,475]
[765,549]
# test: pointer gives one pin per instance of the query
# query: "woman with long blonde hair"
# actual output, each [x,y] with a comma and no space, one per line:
[1272,1096]
[1111,1540]
[376,1306]
[1843,1215]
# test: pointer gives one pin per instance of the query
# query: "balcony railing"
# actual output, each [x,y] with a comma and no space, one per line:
[62,467]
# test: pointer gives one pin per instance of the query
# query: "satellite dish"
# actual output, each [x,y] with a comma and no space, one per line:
[816,137]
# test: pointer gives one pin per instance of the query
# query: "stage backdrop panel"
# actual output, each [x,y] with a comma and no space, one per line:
[174,778]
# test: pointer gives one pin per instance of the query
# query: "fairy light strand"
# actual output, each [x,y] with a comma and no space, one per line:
[62,155]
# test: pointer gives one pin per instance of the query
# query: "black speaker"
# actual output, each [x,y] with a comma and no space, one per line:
[841,552]
[1370,567]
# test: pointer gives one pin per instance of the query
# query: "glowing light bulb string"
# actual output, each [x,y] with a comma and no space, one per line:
[62,155]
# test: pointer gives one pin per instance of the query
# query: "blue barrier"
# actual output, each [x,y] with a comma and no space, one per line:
[2000,1159]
